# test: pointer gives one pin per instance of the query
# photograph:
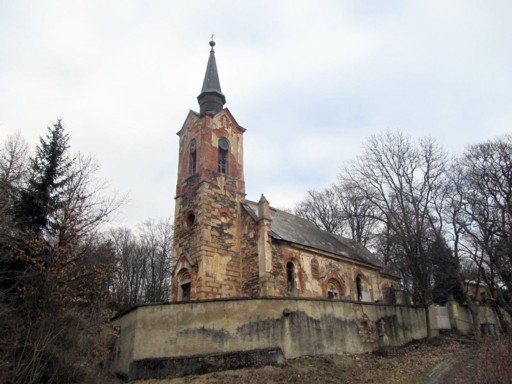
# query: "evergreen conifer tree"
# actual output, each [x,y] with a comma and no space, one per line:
[445,272]
[49,170]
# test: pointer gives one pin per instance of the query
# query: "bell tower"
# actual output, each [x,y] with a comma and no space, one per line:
[209,193]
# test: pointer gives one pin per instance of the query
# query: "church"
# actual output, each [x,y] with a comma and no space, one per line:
[251,284]
[226,246]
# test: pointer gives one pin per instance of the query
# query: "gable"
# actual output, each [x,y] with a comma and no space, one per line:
[192,116]
[226,118]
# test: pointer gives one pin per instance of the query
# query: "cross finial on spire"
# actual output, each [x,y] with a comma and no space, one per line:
[212,43]
[211,99]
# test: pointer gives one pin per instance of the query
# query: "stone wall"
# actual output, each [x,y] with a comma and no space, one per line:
[249,248]
[159,340]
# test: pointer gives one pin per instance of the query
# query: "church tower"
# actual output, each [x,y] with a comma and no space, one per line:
[209,193]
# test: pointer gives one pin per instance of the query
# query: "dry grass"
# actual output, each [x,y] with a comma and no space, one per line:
[491,364]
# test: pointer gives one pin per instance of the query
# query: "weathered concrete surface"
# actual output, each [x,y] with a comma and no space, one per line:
[461,319]
[158,368]
[297,327]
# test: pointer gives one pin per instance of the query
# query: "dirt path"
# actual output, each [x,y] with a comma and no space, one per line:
[440,371]
[418,363]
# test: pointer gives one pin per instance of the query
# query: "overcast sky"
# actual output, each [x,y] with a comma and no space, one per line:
[309,80]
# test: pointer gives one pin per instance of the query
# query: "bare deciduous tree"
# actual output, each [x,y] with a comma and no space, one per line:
[128,280]
[456,221]
[143,263]
[404,182]
[156,248]
[13,171]
[486,214]
[13,160]
[84,206]
[357,212]
[323,209]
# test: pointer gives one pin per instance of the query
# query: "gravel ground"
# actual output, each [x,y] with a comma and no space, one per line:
[420,362]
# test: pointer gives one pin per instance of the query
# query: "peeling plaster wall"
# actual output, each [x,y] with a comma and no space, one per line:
[298,327]
[314,270]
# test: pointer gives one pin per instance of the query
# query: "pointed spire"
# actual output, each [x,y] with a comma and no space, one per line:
[211,98]
[263,199]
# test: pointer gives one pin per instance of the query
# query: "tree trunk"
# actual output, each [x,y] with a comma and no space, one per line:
[505,325]
[473,308]
[427,319]
[475,319]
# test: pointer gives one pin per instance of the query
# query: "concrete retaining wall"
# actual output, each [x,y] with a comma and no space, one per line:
[461,320]
[167,336]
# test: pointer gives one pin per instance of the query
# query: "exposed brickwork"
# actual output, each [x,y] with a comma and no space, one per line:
[212,242]
[367,329]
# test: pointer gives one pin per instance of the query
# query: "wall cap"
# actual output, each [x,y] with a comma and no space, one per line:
[262,298]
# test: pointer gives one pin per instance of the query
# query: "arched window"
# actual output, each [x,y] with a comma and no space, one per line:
[333,290]
[193,156]
[359,288]
[223,155]
[191,219]
[184,285]
[290,276]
